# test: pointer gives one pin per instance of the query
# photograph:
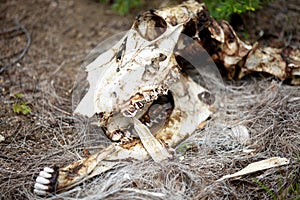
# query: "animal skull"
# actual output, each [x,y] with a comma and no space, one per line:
[144,97]
[145,101]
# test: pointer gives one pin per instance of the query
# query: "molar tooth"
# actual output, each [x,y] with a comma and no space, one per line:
[129,113]
[138,105]
[165,91]
[153,94]
[116,136]
[160,90]
[147,97]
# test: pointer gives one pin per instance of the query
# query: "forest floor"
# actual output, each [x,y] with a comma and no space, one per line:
[62,33]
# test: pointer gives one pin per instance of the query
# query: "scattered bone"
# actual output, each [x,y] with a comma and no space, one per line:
[156,150]
[258,166]
[2,138]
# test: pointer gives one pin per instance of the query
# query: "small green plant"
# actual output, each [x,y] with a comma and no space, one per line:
[222,9]
[123,6]
[289,186]
[266,188]
[187,148]
[20,107]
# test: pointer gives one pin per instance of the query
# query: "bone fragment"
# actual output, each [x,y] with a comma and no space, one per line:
[258,166]
[2,138]
[156,150]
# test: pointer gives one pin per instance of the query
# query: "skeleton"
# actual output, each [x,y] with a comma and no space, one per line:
[144,99]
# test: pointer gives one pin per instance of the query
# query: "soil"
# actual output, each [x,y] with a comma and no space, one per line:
[62,33]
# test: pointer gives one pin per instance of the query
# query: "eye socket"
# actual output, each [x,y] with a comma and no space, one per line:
[150,26]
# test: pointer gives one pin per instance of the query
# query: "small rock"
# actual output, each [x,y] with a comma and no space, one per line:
[2,138]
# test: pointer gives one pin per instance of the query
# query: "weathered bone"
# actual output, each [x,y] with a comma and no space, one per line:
[240,58]
[183,124]
[155,149]
[151,42]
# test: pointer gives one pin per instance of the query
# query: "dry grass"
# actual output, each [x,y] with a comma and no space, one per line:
[51,135]
[268,108]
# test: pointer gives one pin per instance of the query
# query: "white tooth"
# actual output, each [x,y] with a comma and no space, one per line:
[146,97]
[160,90]
[165,91]
[39,186]
[129,113]
[40,192]
[45,174]
[138,105]
[116,137]
[154,93]
[48,169]
[42,180]
[133,113]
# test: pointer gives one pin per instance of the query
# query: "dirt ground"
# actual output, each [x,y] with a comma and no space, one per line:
[62,33]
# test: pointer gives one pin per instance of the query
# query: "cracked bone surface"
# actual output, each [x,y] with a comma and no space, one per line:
[144,66]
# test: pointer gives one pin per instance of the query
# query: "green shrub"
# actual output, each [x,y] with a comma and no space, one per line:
[222,9]
[123,6]
[219,9]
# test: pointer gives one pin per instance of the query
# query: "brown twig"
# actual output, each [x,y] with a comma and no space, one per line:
[25,50]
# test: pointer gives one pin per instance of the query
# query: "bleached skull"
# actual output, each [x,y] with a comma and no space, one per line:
[141,71]
[143,94]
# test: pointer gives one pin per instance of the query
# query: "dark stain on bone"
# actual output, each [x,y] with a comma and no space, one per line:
[119,56]
[152,10]
[206,97]
[53,180]
[162,57]
[190,29]
[173,21]
[131,144]
[121,51]
[74,171]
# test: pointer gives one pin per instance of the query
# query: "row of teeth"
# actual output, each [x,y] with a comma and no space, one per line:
[153,95]
[43,180]
[147,97]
